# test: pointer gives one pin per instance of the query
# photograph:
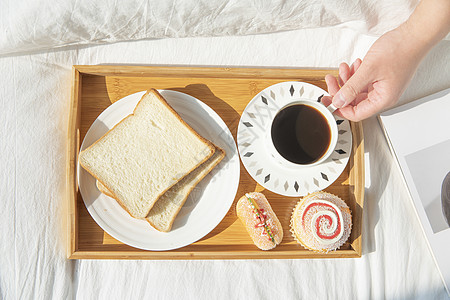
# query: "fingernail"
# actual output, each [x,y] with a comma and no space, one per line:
[338,100]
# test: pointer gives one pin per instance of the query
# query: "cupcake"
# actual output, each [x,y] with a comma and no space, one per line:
[321,222]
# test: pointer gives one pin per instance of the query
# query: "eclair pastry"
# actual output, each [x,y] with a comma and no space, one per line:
[259,220]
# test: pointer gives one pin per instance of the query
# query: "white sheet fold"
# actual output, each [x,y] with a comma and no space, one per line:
[29,25]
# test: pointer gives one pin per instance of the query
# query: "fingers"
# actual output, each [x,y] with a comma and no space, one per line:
[355,85]
[361,97]
[332,84]
[358,112]
[361,107]
[355,66]
[326,100]
[344,73]
[364,107]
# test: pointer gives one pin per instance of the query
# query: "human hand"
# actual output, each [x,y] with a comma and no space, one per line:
[376,83]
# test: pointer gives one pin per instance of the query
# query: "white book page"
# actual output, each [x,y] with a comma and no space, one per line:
[419,135]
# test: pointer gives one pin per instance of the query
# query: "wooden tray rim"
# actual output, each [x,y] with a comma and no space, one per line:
[78,71]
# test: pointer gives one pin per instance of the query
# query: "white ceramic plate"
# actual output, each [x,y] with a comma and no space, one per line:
[205,207]
[263,167]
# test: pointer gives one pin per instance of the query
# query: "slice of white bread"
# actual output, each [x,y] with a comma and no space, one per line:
[103,189]
[163,213]
[145,154]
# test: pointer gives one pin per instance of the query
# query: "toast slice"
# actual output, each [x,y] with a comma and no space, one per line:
[145,154]
[163,213]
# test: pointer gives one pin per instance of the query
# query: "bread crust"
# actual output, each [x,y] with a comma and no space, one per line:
[108,193]
[104,190]
[208,143]
[164,102]
[246,215]
[222,155]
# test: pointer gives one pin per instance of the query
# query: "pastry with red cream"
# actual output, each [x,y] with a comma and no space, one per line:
[259,220]
[321,222]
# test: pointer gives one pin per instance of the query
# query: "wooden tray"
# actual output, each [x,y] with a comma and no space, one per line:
[227,91]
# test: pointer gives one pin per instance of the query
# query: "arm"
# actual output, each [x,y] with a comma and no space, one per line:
[378,81]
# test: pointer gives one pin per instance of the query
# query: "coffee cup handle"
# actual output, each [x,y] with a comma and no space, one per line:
[331,108]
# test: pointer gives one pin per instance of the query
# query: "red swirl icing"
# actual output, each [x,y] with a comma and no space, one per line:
[323,217]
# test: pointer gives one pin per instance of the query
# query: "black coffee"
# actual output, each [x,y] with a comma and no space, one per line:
[301,134]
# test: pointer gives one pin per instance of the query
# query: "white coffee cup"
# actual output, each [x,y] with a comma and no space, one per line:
[327,113]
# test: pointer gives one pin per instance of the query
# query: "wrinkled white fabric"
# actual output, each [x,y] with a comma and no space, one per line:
[28,25]
[34,103]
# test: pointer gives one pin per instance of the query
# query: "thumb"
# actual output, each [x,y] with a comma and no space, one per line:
[351,89]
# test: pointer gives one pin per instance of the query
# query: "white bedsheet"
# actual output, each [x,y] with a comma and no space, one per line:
[34,97]
[34,25]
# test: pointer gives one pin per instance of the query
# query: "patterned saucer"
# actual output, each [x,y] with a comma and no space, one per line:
[264,168]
